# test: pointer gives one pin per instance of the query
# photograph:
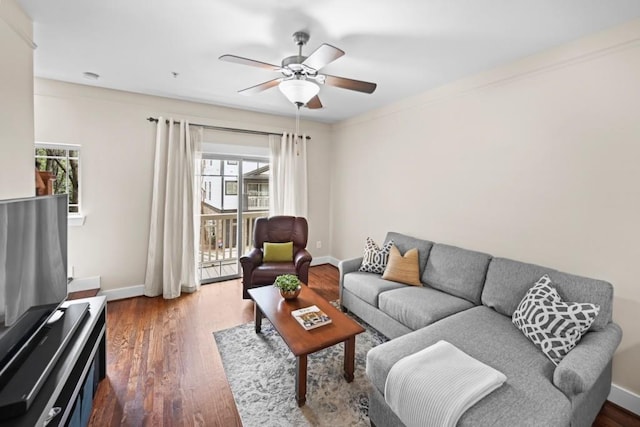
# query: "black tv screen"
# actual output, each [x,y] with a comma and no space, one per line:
[33,269]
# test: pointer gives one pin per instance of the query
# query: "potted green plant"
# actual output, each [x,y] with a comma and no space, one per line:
[289,285]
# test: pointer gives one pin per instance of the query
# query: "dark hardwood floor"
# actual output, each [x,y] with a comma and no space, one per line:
[163,366]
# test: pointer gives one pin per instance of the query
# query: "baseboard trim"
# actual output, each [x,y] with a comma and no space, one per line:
[625,399]
[122,293]
[325,260]
[84,284]
[138,290]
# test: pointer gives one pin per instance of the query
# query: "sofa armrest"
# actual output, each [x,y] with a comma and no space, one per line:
[301,257]
[347,266]
[582,366]
[251,259]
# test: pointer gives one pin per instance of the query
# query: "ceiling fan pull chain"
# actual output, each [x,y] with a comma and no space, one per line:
[297,129]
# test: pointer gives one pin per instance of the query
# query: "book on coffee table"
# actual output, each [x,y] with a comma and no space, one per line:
[311,317]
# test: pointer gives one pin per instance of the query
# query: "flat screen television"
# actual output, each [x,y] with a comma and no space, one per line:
[33,272]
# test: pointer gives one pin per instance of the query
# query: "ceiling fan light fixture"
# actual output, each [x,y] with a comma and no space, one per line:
[299,91]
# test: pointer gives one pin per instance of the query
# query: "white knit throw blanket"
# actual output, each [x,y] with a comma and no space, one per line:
[435,386]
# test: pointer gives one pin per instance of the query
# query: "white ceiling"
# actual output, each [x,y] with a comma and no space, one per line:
[405,46]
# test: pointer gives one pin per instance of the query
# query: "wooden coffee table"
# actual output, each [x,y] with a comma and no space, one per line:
[301,342]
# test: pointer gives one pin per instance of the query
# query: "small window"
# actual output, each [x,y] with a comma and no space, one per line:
[231,188]
[58,172]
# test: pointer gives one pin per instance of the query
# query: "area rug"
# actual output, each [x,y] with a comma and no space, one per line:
[261,372]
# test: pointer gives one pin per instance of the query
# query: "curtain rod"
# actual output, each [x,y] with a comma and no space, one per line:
[225,129]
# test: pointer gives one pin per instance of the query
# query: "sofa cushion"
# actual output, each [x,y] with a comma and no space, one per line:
[417,307]
[404,243]
[508,281]
[457,271]
[403,268]
[374,259]
[491,338]
[551,324]
[367,286]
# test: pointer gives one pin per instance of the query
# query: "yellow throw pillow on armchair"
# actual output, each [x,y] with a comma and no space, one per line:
[403,269]
[277,252]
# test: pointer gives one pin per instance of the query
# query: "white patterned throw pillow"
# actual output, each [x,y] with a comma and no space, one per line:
[375,258]
[551,324]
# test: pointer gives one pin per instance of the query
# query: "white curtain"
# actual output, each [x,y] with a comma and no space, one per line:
[288,178]
[175,210]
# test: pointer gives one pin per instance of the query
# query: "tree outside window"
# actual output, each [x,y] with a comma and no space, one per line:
[58,167]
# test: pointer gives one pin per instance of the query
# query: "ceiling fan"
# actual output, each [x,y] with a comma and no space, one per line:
[300,77]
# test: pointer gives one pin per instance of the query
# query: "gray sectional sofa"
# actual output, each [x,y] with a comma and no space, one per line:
[467,299]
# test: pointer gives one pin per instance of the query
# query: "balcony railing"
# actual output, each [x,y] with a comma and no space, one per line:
[218,241]
[258,202]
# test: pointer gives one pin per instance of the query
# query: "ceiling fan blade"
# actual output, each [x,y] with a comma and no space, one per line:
[322,56]
[247,61]
[261,87]
[314,103]
[344,83]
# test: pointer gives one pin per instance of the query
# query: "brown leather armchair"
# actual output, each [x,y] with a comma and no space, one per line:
[276,229]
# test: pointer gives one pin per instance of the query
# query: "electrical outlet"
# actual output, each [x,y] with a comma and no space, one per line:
[319,244]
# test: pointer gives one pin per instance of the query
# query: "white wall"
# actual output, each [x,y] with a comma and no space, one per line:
[537,161]
[17,168]
[117,168]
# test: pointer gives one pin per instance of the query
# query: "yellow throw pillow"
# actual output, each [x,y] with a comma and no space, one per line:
[277,252]
[403,269]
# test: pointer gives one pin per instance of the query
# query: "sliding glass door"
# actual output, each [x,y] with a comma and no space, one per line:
[234,192]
